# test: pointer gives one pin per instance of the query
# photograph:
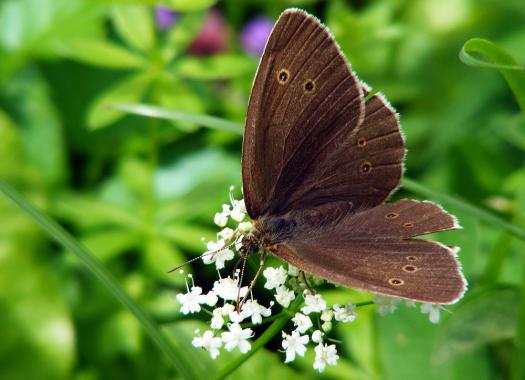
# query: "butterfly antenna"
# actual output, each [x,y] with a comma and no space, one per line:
[201,256]
[237,303]
[254,279]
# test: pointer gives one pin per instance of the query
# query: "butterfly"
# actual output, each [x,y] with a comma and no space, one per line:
[321,154]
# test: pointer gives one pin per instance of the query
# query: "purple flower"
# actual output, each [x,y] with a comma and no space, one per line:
[165,17]
[213,37]
[255,34]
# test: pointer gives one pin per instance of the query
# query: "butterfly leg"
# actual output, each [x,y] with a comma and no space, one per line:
[305,280]
[254,280]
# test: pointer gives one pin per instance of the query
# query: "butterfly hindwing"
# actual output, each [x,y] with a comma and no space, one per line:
[373,250]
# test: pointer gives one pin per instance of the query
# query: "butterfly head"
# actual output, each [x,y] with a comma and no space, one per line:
[249,244]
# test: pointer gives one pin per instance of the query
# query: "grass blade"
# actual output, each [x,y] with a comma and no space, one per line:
[494,57]
[466,207]
[199,119]
[181,360]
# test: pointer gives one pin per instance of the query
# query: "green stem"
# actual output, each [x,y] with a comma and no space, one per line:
[466,207]
[181,360]
[364,303]
[274,329]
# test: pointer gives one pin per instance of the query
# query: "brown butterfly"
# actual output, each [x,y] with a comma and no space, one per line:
[317,163]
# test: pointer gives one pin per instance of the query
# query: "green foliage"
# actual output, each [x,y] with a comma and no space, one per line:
[113,129]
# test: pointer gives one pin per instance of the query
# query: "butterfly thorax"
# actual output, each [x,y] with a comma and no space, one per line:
[270,230]
[249,244]
[275,229]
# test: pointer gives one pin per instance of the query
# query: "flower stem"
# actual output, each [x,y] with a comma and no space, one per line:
[364,303]
[274,329]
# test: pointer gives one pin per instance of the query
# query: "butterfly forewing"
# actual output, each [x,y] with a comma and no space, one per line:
[360,167]
[304,98]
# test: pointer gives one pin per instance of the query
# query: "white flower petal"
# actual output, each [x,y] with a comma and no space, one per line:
[317,336]
[228,289]
[302,322]
[237,337]
[275,277]
[294,344]
[226,233]
[313,303]
[325,354]
[284,296]
[432,310]
[245,226]
[385,304]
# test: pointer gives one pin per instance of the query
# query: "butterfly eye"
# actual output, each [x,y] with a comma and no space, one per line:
[408,224]
[411,258]
[283,76]
[309,86]
[365,168]
[396,281]
[409,268]
[391,215]
[361,143]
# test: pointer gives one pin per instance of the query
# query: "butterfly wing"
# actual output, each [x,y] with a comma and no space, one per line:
[361,167]
[373,251]
[304,98]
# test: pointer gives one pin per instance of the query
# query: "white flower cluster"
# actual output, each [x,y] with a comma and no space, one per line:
[386,305]
[314,306]
[236,337]
[230,326]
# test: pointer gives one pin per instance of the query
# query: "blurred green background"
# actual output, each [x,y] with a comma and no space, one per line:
[140,192]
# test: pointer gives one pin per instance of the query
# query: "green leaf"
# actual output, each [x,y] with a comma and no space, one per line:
[130,90]
[108,243]
[495,57]
[518,370]
[161,113]
[34,309]
[89,212]
[11,147]
[134,24]
[216,67]
[159,257]
[59,234]
[190,5]
[30,28]
[405,343]
[101,53]
[182,34]
[41,126]
[486,317]
[187,237]
[171,94]
[464,206]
